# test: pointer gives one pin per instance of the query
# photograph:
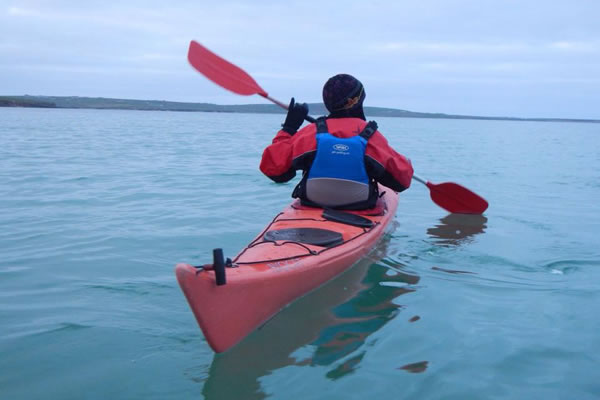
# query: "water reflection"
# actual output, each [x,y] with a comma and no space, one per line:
[416,368]
[318,329]
[457,229]
[451,271]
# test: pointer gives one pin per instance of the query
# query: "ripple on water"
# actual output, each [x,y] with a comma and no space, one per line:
[569,266]
[41,329]
[141,287]
[13,269]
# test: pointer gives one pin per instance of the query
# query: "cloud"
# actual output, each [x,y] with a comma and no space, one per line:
[582,47]
[428,48]
[473,48]
[449,47]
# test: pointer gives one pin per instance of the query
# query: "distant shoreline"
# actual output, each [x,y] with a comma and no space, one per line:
[101,103]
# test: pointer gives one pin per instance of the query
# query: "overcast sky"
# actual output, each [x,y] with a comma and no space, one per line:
[480,57]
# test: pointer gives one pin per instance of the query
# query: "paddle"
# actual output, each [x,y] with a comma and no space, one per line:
[454,198]
[227,75]
[450,196]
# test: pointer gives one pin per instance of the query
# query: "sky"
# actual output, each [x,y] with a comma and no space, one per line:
[525,58]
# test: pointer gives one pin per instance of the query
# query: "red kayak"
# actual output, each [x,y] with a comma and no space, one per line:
[300,250]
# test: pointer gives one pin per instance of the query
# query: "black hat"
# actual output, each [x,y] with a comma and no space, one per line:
[343,95]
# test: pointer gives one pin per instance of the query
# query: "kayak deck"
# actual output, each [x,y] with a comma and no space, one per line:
[270,273]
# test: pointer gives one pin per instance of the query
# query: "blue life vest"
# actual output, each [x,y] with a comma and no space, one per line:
[339,167]
[340,158]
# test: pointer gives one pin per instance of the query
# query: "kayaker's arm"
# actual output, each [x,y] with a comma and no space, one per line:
[288,153]
[386,165]
[276,162]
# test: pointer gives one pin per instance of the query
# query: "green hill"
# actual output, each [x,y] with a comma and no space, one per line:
[159,105]
[24,101]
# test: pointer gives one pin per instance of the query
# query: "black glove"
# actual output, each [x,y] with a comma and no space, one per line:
[295,117]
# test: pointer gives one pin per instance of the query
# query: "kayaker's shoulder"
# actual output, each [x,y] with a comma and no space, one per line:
[309,129]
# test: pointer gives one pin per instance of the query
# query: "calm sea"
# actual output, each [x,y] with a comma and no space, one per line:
[96,207]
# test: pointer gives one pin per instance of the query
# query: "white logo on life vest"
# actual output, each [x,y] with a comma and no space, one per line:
[340,147]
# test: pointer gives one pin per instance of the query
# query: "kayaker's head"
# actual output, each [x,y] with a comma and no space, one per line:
[343,95]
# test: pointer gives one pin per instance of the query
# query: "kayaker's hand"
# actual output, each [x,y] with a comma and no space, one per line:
[295,117]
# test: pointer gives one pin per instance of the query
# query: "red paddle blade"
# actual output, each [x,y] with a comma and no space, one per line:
[455,198]
[222,72]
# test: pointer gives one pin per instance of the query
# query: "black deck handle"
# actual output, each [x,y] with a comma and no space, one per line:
[219,267]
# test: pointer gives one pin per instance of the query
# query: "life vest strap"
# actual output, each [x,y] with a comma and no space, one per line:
[369,130]
[321,125]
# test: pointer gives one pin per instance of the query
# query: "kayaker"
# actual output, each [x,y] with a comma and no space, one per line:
[341,155]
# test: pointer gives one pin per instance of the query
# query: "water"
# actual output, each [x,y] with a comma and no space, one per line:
[98,206]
